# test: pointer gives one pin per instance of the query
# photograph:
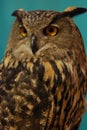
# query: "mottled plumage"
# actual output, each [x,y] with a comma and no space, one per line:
[43,72]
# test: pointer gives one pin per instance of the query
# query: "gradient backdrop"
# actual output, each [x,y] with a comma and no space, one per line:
[6,21]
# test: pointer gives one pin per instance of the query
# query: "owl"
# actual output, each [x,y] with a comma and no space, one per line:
[43,72]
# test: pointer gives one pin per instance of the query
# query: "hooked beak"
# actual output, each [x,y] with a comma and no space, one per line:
[33,44]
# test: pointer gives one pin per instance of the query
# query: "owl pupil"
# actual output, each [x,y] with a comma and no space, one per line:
[51,29]
[23,30]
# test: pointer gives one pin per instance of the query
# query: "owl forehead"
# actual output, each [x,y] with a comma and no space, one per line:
[38,17]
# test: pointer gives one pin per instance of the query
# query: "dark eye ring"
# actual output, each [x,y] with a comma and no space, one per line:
[23,31]
[51,30]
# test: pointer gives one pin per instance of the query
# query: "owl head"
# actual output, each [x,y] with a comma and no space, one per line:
[39,33]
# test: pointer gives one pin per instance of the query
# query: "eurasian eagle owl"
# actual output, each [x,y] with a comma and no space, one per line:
[43,72]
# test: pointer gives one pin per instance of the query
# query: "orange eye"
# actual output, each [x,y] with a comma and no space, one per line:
[23,31]
[51,30]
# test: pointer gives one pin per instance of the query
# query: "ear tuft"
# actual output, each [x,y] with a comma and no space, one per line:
[18,13]
[73,11]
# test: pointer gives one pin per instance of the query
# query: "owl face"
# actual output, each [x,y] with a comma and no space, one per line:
[37,29]
[36,32]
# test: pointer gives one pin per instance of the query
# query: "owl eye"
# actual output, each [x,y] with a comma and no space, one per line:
[23,31]
[51,30]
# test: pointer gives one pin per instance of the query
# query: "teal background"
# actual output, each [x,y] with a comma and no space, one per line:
[6,20]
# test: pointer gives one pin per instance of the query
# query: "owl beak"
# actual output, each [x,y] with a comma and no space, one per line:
[34,44]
